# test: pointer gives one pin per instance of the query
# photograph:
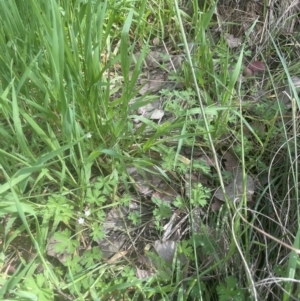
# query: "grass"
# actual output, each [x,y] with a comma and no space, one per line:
[80,163]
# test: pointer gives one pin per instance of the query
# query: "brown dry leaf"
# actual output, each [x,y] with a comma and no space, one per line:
[192,180]
[216,205]
[232,42]
[157,114]
[165,249]
[144,260]
[257,67]
[235,189]
[62,257]
[157,59]
[144,181]
[231,161]
[197,216]
[165,192]
[147,109]
[113,225]
[154,59]
[175,63]
[115,219]
[116,257]
[111,244]
[171,226]
[155,83]
[140,274]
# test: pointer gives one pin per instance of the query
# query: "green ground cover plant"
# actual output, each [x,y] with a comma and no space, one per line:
[149,150]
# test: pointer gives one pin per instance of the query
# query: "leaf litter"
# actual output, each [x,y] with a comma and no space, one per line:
[235,189]
[151,184]
[148,183]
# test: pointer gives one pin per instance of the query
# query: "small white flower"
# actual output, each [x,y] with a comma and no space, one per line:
[87,212]
[88,135]
[80,221]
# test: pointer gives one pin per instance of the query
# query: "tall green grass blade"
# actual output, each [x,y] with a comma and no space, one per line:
[18,125]
[292,268]
[14,280]
[40,164]
[125,62]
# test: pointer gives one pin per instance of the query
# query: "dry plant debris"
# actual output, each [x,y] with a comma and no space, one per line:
[232,42]
[235,189]
[53,252]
